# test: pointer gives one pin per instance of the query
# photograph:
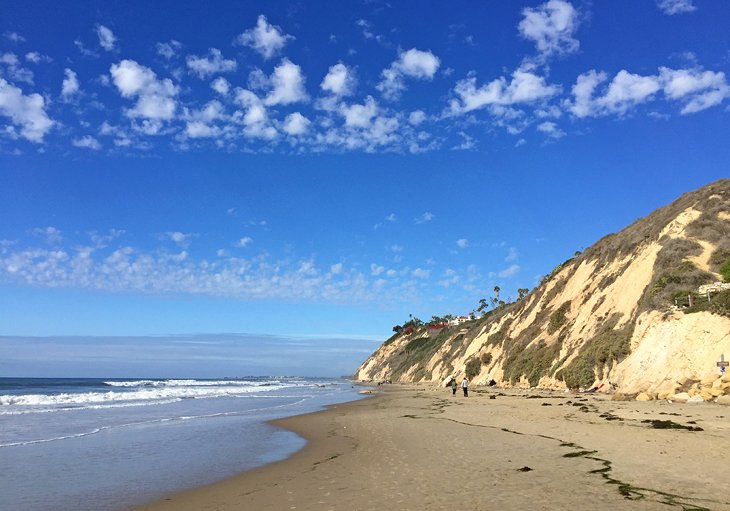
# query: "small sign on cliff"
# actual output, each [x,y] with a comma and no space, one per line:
[722,364]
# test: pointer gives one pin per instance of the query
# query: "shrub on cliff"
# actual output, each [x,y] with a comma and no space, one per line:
[533,362]
[473,366]
[609,345]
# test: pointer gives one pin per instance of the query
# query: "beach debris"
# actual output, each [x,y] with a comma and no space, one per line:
[667,424]
[578,454]
[611,417]
[524,469]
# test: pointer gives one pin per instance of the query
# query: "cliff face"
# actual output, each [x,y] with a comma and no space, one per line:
[626,311]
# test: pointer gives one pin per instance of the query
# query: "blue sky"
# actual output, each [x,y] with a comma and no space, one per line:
[326,169]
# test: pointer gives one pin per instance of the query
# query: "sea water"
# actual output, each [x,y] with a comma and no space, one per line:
[108,444]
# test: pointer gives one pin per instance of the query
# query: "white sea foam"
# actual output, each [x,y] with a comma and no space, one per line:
[300,399]
[191,383]
[140,392]
[144,395]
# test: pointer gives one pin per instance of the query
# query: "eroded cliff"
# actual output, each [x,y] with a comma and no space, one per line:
[626,313]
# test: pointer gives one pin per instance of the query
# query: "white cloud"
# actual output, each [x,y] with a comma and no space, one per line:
[288,85]
[37,58]
[257,80]
[359,115]
[425,217]
[70,85]
[366,28]
[702,89]
[339,81]
[25,112]
[467,142]
[244,242]
[200,129]
[265,38]
[449,278]
[86,52]
[211,64]
[509,272]
[14,37]
[391,218]
[462,243]
[413,63]
[671,7]
[585,85]
[211,111]
[418,64]
[421,273]
[550,129]
[697,89]
[14,70]
[107,39]
[199,121]
[296,124]
[625,91]
[551,26]
[376,269]
[51,235]
[179,238]
[155,98]
[416,117]
[525,87]
[168,50]
[628,89]
[221,86]
[255,119]
[126,269]
[86,142]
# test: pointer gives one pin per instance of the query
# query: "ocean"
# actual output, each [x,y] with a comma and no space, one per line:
[108,444]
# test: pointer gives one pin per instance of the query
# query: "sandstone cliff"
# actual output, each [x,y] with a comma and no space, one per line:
[626,314]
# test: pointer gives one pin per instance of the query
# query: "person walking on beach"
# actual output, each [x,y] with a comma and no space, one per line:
[453,386]
[465,386]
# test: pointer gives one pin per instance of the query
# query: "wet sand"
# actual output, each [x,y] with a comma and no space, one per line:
[412,447]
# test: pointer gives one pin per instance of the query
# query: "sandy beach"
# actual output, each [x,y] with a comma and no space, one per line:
[415,447]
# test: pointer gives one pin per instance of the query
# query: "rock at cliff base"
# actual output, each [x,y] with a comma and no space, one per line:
[621,397]
[695,399]
[681,397]
[723,400]
[643,396]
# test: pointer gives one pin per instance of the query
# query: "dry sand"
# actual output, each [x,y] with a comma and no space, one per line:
[416,447]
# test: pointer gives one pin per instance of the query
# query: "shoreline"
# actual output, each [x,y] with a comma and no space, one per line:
[307,425]
[419,447]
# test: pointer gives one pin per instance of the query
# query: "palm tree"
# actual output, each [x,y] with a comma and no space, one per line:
[482,305]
